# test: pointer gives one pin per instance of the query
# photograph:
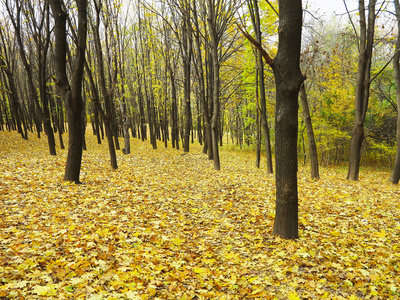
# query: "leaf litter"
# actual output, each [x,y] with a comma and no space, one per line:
[167,226]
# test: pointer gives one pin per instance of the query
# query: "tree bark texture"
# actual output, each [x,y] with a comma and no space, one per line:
[71,93]
[288,78]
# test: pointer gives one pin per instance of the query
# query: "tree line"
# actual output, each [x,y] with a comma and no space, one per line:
[178,70]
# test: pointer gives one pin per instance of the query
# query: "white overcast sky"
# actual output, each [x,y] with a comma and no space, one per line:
[330,7]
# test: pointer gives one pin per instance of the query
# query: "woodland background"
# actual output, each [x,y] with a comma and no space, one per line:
[164,224]
[151,61]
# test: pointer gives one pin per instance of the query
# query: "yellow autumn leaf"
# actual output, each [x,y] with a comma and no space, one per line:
[43,290]
[335,232]
[381,234]
[199,270]
[293,296]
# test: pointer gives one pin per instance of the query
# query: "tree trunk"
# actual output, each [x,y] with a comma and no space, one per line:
[362,86]
[310,133]
[107,118]
[187,56]
[215,83]
[258,127]
[288,79]
[72,94]
[395,176]
[263,102]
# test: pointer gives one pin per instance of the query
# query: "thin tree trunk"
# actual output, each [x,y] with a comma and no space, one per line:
[215,83]
[362,86]
[395,176]
[310,133]
[263,102]
[106,94]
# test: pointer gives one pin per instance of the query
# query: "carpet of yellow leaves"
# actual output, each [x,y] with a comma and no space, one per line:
[167,226]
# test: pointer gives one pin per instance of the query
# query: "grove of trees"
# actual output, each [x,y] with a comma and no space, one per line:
[216,71]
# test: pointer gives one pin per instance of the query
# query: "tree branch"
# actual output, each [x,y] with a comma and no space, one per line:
[256,44]
[273,8]
[394,55]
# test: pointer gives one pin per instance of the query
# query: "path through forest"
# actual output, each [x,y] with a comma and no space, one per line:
[167,226]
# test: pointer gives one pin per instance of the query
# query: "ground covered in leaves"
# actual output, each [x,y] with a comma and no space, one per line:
[167,226]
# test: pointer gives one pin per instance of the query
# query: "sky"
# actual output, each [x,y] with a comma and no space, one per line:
[330,7]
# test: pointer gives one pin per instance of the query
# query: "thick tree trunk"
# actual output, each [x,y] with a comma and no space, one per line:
[72,94]
[310,133]
[288,79]
[75,144]
[395,176]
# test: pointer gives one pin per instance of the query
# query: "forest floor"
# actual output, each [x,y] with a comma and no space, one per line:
[167,226]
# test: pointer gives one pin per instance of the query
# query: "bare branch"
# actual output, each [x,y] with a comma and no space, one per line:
[256,44]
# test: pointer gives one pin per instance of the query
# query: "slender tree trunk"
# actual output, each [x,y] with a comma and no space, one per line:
[362,86]
[211,18]
[310,133]
[258,133]
[395,176]
[263,102]
[106,94]
[187,49]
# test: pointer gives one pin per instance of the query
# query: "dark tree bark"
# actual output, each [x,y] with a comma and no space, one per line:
[71,93]
[13,97]
[362,86]
[212,23]
[201,82]
[41,37]
[187,50]
[395,176]
[288,78]
[108,116]
[310,133]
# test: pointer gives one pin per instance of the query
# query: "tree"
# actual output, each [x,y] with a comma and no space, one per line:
[255,17]
[395,176]
[220,14]
[72,93]
[39,29]
[288,79]
[310,132]
[366,43]
[107,92]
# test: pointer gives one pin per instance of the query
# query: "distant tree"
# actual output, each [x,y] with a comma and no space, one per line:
[38,26]
[105,87]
